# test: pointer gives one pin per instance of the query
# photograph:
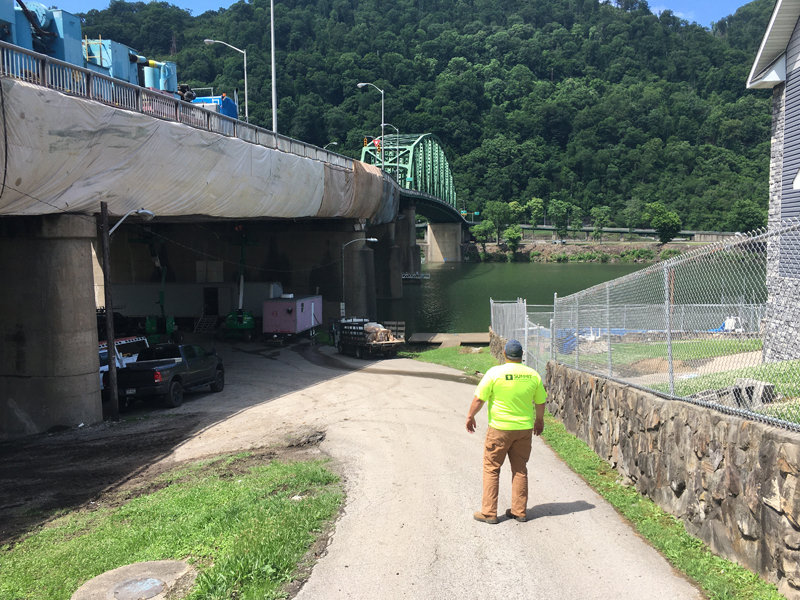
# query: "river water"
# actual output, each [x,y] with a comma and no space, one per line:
[456,297]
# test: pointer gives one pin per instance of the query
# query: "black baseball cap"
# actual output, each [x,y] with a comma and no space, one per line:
[513,349]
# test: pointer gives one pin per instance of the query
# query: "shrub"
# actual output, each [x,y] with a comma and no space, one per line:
[669,253]
[637,255]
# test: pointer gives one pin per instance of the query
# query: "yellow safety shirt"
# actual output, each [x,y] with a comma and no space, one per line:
[511,390]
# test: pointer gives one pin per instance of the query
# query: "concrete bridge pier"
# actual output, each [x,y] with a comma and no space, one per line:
[444,242]
[388,261]
[406,238]
[359,280]
[48,333]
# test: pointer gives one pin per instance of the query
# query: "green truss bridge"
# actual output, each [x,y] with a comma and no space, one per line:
[420,167]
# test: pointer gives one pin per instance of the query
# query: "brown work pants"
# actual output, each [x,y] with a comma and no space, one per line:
[517,446]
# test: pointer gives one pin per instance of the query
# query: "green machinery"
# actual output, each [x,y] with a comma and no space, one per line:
[158,328]
[161,328]
[241,323]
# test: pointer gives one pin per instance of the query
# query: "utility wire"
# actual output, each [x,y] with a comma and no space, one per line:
[171,241]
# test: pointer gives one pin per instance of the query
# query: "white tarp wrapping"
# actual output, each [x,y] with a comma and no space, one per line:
[67,153]
[338,195]
[390,202]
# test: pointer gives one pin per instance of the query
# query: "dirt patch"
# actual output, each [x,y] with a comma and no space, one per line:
[45,475]
[648,366]
[544,250]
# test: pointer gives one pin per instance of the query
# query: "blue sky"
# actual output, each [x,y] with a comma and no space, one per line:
[702,11]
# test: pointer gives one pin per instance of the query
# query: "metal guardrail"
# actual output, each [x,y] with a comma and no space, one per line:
[718,327]
[32,67]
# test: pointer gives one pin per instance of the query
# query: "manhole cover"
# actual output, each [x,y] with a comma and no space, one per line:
[139,589]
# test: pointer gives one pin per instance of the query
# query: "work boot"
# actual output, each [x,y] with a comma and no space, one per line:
[511,515]
[479,516]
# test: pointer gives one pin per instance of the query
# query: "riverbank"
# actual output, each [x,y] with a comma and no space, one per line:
[545,252]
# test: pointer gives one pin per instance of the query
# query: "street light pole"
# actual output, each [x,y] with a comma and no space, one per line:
[272,45]
[342,310]
[113,393]
[397,151]
[208,43]
[325,147]
[383,117]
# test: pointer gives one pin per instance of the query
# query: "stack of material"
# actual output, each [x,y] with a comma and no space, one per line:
[377,333]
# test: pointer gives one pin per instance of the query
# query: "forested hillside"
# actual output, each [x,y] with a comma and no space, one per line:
[592,103]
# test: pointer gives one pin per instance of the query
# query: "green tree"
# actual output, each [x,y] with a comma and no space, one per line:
[666,222]
[498,213]
[558,211]
[576,222]
[513,237]
[516,209]
[632,214]
[535,209]
[746,216]
[601,215]
[481,232]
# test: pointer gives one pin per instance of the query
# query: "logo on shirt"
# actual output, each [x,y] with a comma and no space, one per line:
[512,377]
[509,377]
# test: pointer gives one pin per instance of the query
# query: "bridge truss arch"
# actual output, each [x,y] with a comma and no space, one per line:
[418,164]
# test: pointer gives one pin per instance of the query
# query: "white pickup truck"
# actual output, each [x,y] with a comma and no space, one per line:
[126,351]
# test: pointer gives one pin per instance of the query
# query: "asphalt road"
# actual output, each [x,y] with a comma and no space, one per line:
[413,479]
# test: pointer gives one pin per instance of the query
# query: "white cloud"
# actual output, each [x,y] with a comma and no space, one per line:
[689,16]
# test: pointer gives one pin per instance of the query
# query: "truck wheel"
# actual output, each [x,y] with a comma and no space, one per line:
[219,381]
[359,352]
[174,397]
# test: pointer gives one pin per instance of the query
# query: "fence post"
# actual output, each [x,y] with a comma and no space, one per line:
[608,326]
[668,322]
[526,354]
[553,341]
[577,331]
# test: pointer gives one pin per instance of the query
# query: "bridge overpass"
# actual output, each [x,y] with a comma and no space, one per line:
[72,138]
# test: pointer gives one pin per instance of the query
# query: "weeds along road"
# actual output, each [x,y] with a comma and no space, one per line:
[395,429]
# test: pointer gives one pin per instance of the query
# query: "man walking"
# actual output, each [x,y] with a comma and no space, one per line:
[512,391]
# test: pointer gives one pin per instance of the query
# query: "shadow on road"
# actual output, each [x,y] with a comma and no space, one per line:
[43,475]
[555,509]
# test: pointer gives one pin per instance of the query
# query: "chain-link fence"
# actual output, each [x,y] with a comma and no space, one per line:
[529,324]
[719,326]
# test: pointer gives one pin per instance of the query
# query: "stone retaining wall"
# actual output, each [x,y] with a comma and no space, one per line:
[735,483]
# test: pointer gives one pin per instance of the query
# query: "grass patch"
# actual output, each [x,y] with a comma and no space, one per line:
[719,578]
[238,517]
[785,375]
[625,354]
[458,358]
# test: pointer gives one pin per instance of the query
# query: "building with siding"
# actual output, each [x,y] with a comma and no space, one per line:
[777,67]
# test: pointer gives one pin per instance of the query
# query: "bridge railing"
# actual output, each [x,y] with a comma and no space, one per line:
[39,69]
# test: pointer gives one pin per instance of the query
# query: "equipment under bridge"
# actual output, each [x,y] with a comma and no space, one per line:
[73,138]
